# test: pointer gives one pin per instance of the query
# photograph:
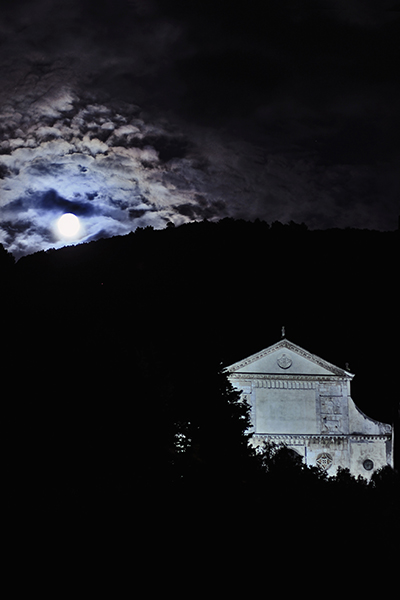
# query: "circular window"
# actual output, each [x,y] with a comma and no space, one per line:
[368,464]
[324,460]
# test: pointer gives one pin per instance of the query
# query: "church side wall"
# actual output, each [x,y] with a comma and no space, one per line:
[360,423]
[369,454]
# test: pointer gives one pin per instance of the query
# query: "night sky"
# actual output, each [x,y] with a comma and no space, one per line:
[131,113]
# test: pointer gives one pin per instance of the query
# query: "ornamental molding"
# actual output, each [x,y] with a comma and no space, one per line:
[297,350]
[286,377]
[293,437]
[370,437]
[298,436]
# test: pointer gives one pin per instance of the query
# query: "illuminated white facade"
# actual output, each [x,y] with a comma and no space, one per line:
[301,400]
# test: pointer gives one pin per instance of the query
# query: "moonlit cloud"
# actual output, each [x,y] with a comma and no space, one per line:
[128,116]
[119,171]
[96,162]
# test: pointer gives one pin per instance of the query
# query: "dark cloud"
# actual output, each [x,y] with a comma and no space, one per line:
[135,213]
[51,200]
[202,208]
[168,147]
[4,172]
[144,112]
[43,167]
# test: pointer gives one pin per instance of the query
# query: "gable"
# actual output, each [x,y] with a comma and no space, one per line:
[285,358]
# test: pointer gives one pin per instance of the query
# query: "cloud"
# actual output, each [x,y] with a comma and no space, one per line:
[149,172]
[52,201]
[134,176]
[131,115]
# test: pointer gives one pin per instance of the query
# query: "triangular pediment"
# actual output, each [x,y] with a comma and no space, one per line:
[286,358]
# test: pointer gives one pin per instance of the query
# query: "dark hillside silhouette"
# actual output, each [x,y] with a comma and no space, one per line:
[114,351]
[236,283]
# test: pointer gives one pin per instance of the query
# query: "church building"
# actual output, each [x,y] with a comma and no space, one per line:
[304,402]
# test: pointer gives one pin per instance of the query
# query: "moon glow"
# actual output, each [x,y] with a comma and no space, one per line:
[68,225]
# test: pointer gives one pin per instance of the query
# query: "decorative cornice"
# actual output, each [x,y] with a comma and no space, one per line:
[318,436]
[298,350]
[301,436]
[370,436]
[286,377]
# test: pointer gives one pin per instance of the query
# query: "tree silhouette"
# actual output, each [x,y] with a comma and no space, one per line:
[136,407]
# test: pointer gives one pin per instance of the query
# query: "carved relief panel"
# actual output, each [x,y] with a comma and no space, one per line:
[331,414]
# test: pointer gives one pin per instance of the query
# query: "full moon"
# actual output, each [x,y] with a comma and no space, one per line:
[68,225]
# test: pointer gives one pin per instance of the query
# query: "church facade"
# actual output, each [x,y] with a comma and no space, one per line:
[304,402]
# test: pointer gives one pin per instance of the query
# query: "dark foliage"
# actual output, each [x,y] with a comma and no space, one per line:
[114,356]
[6,261]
